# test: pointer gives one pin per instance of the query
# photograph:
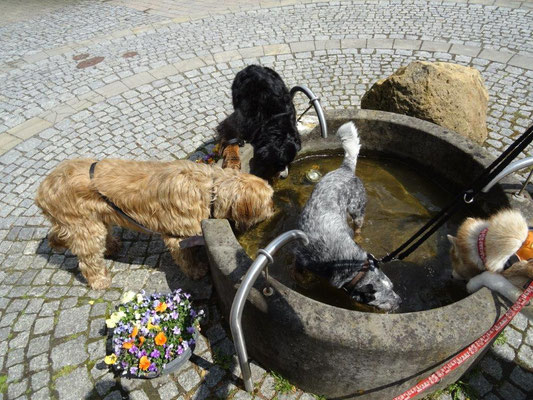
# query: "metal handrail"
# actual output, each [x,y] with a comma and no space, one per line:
[263,258]
[514,166]
[314,101]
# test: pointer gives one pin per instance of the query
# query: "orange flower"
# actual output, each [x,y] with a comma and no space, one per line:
[144,363]
[160,339]
[135,332]
[141,340]
[161,307]
[127,345]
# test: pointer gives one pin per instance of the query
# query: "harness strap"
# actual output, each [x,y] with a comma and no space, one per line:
[193,241]
[117,208]
[363,267]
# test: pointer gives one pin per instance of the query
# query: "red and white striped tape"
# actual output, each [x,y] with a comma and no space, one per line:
[472,349]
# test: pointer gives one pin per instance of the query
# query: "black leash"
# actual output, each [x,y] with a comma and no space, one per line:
[465,197]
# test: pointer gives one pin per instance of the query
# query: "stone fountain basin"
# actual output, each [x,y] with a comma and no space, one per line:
[345,354]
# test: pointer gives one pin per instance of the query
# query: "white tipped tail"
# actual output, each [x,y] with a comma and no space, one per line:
[349,137]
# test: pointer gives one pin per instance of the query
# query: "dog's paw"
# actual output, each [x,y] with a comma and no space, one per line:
[231,163]
[196,272]
[100,283]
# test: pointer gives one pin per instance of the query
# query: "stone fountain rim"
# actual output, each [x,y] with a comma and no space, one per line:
[478,153]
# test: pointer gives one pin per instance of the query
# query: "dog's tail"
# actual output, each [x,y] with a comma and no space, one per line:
[349,137]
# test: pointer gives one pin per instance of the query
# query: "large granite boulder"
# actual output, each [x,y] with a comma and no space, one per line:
[446,94]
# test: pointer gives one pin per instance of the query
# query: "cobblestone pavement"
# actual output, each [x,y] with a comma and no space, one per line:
[150,80]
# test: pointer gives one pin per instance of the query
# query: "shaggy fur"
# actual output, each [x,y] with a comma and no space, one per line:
[507,230]
[171,198]
[332,252]
[264,116]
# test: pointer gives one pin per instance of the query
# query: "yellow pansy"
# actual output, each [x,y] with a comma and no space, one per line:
[110,359]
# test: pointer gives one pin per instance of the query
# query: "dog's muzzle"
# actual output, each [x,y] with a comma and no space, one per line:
[283,174]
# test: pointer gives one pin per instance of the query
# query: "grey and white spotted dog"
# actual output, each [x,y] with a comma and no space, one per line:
[332,252]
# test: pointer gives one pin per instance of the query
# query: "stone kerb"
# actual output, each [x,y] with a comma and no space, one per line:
[34,126]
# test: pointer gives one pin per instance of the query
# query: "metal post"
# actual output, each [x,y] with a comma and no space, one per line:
[314,100]
[514,166]
[244,290]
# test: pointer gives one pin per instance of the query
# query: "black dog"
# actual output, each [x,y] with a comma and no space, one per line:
[265,117]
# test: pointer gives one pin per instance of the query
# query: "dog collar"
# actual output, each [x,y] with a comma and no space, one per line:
[369,264]
[240,142]
[481,245]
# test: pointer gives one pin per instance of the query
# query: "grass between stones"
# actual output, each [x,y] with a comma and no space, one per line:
[281,384]
[63,371]
[458,391]
[222,360]
[3,384]
[501,339]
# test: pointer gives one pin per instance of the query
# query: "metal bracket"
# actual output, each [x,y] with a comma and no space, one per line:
[262,259]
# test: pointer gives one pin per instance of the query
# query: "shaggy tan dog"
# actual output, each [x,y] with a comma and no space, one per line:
[171,198]
[489,245]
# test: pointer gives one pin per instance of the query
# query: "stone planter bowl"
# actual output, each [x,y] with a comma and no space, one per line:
[344,354]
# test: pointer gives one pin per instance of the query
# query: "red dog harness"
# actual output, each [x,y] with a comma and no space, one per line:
[524,253]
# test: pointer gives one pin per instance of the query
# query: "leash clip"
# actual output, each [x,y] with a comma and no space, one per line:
[468,198]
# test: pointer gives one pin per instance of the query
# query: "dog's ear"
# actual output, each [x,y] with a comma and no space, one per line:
[253,203]
[452,240]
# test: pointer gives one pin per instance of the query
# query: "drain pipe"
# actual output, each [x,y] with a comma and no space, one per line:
[514,166]
[264,256]
[313,101]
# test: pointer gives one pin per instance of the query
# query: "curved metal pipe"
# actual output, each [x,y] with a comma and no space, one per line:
[264,256]
[514,166]
[314,100]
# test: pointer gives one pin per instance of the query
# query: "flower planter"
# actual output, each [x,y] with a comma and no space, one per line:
[151,335]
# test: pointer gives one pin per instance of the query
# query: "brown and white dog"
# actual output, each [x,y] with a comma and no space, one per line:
[491,252]
[170,198]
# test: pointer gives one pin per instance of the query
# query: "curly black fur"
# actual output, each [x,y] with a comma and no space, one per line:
[265,117]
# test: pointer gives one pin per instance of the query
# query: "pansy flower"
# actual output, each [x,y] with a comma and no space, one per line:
[144,363]
[160,339]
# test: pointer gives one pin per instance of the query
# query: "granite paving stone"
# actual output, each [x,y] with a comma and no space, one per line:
[188,379]
[168,391]
[75,385]
[522,379]
[71,352]
[525,356]
[72,321]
